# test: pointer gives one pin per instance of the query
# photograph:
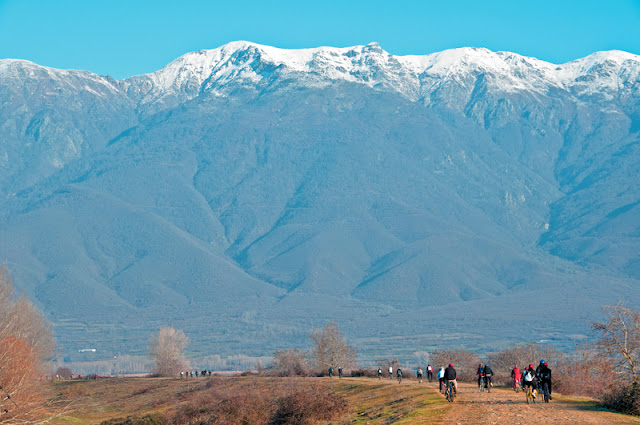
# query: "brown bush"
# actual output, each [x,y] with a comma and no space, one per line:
[307,405]
[624,398]
[585,372]
[229,406]
[369,373]
[502,362]
[291,362]
[465,362]
[292,403]
[154,419]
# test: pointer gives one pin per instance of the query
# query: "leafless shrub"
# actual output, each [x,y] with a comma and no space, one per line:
[167,351]
[308,405]
[64,373]
[297,403]
[465,362]
[502,362]
[369,373]
[624,398]
[291,362]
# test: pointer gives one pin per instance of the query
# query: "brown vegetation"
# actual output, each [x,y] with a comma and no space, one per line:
[291,362]
[25,344]
[167,351]
[225,401]
[465,362]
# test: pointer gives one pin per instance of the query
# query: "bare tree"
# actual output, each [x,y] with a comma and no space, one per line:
[330,349]
[291,362]
[167,351]
[620,338]
[26,344]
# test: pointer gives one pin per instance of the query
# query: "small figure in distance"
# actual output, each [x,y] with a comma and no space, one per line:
[488,375]
[379,372]
[429,373]
[419,374]
[390,372]
[330,372]
[480,372]
[440,377]
[340,372]
[451,375]
[399,375]
[181,374]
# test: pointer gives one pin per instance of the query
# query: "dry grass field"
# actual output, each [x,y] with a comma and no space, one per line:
[265,400]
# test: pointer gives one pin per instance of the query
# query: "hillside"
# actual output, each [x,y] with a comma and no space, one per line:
[246,194]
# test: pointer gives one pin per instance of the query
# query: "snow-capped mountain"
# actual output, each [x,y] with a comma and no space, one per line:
[220,71]
[282,188]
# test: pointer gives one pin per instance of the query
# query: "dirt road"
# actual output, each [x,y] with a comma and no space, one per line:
[503,406]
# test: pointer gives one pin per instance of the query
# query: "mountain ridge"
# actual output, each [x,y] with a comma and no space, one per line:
[214,188]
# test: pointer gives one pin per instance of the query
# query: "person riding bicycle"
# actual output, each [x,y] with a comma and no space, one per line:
[399,372]
[429,373]
[440,377]
[538,369]
[487,374]
[390,372]
[530,379]
[379,372]
[419,373]
[516,375]
[545,378]
[480,372]
[450,375]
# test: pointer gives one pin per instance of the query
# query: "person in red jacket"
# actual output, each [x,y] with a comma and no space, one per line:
[515,375]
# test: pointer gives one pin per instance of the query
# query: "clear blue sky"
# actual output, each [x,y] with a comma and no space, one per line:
[128,37]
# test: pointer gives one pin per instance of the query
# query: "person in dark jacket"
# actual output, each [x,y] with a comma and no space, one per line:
[480,373]
[451,375]
[544,375]
[487,374]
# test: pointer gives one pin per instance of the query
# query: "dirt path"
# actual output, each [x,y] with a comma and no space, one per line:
[506,407]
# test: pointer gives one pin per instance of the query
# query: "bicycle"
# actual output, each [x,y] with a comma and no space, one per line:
[529,394]
[480,386]
[516,386]
[545,392]
[449,392]
[487,383]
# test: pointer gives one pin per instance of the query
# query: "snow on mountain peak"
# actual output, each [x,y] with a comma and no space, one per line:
[243,63]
